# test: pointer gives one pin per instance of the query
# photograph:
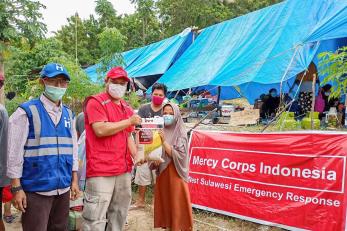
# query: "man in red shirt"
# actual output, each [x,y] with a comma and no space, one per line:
[109,121]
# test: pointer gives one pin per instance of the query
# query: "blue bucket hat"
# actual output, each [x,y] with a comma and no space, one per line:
[51,70]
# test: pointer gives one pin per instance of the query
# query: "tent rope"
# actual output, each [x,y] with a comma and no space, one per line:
[286,72]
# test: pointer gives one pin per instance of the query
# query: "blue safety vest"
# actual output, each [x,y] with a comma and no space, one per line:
[48,151]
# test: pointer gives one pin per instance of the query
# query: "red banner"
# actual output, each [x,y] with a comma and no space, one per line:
[291,180]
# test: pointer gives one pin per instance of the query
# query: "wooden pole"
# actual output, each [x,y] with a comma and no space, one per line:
[313,97]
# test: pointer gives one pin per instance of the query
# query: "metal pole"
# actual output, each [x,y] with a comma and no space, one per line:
[219,89]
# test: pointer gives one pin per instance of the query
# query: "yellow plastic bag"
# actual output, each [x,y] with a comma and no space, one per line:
[149,145]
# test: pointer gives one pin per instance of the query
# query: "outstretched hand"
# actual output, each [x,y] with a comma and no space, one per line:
[162,135]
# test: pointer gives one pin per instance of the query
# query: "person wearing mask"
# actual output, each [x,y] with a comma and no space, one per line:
[271,104]
[109,122]
[144,176]
[172,204]
[4,180]
[322,103]
[42,155]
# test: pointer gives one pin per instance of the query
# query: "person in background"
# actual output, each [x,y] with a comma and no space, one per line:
[7,198]
[42,155]
[144,176]
[109,122]
[271,104]
[172,204]
[4,180]
[341,114]
[80,124]
[292,98]
[258,104]
[305,94]
[322,103]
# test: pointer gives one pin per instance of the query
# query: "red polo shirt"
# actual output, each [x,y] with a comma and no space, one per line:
[107,156]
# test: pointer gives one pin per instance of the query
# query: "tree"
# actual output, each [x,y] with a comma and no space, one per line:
[176,15]
[146,13]
[132,29]
[333,65]
[19,19]
[87,44]
[241,7]
[111,43]
[25,64]
[107,14]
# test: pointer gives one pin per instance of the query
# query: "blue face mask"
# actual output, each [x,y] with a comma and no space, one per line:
[326,93]
[168,120]
[54,93]
[273,94]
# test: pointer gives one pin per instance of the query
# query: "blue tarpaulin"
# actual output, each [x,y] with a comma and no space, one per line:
[225,93]
[259,50]
[153,59]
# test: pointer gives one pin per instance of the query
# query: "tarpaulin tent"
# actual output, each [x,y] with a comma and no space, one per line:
[151,60]
[261,49]
[224,94]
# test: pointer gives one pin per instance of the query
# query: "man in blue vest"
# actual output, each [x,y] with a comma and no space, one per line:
[43,158]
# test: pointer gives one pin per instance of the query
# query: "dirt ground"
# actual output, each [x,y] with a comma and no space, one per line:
[142,220]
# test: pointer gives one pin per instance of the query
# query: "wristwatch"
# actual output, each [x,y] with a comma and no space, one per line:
[16,189]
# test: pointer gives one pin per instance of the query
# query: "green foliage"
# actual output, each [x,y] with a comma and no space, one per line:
[20,18]
[87,44]
[131,28]
[149,24]
[12,105]
[334,67]
[176,15]
[241,7]
[24,67]
[133,100]
[24,63]
[99,39]
[111,43]
[107,14]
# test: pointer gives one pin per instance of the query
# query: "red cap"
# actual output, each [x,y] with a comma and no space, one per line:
[2,77]
[117,72]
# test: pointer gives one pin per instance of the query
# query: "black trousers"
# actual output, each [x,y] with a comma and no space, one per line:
[46,213]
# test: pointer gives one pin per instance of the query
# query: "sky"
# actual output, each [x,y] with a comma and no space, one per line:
[57,11]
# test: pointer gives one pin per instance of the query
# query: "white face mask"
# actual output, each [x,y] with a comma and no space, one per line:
[117,91]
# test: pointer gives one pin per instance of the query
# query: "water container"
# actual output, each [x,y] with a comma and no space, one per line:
[306,122]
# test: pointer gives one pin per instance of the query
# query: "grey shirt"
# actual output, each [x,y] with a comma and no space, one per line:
[146,111]
[4,180]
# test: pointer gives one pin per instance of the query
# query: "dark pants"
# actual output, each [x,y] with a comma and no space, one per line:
[49,213]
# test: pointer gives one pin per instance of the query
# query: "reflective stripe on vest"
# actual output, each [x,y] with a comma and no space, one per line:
[42,146]
[48,152]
